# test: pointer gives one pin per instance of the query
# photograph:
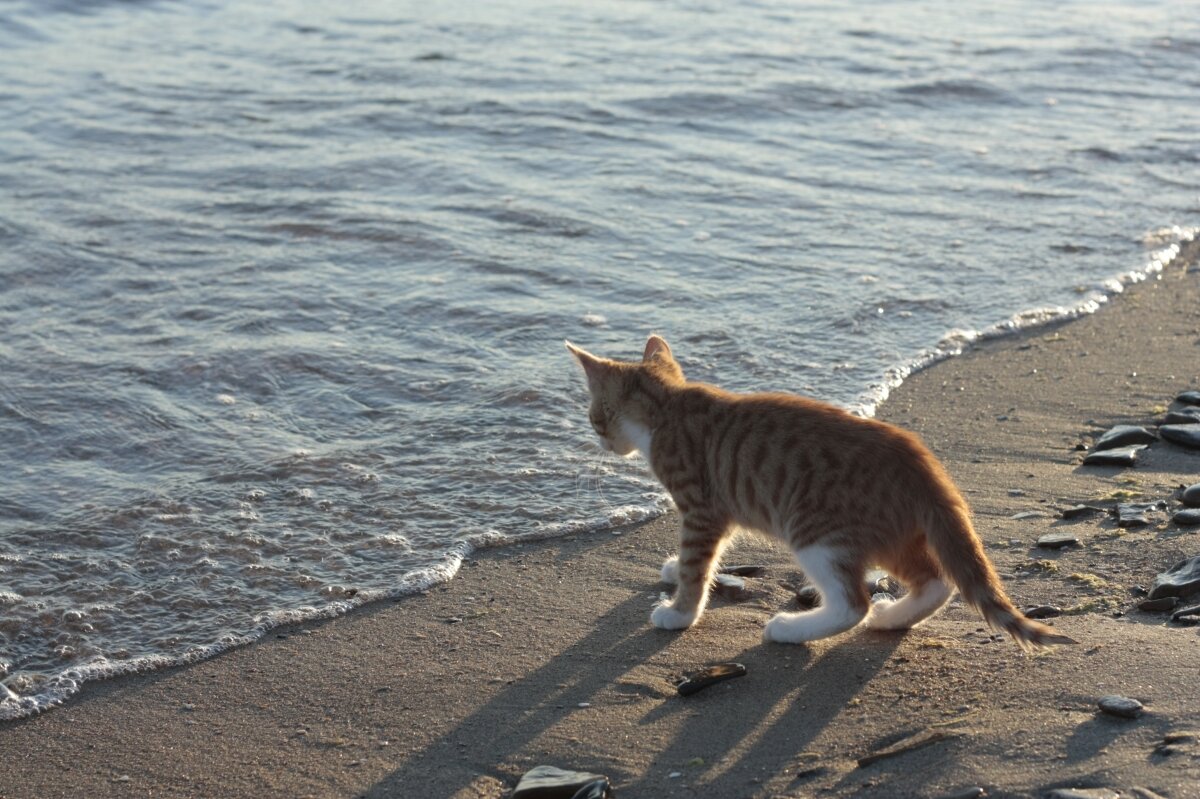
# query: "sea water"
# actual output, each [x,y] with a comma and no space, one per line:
[283,286]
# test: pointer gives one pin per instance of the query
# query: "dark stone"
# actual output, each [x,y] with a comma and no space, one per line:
[1121,706]
[699,680]
[1189,398]
[744,571]
[1133,514]
[1043,612]
[1122,436]
[1124,456]
[1163,603]
[1181,580]
[1182,416]
[808,597]
[730,588]
[1185,435]
[884,584]
[1057,541]
[1191,496]
[1188,517]
[593,790]
[1075,511]
[548,782]
[1187,615]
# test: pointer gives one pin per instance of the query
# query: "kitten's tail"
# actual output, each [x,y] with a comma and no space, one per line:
[960,552]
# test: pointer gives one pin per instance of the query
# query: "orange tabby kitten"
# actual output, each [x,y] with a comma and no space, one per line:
[846,493]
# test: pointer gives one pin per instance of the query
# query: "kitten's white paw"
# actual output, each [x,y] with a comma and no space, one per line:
[670,570]
[883,616]
[778,630]
[666,617]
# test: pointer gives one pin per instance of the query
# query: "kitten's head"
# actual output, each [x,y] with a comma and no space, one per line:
[627,395]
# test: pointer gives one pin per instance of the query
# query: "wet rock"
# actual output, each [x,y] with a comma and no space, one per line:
[699,680]
[1134,514]
[1163,603]
[1183,416]
[744,571]
[1121,706]
[1057,541]
[1042,612]
[1185,435]
[1189,398]
[1188,517]
[808,597]
[548,782]
[1187,615]
[730,588]
[1076,511]
[1181,580]
[1083,793]
[1191,496]
[880,582]
[1122,436]
[1123,456]
[593,790]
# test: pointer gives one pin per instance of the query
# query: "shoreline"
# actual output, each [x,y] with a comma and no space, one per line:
[1171,244]
[524,635]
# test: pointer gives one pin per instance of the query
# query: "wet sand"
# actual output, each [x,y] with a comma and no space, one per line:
[544,653]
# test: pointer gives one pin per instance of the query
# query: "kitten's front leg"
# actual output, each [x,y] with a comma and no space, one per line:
[699,546]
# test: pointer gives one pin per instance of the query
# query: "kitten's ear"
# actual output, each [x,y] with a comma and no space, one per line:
[592,365]
[656,347]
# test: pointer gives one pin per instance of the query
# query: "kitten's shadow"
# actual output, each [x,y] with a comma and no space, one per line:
[757,725]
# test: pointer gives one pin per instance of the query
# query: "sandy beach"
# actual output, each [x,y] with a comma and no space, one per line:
[543,653]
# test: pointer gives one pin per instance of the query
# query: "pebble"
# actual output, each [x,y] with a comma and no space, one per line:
[1188,517]
[1123,435]
[1083,793]
[1181,580]
[1163,603]
[1189,398]
[1043,612]
[1187,615]
[966,793]
[1123,456]
[1057,541]
[745,571]
[1121,706]
[730,588]
[1186,435]
[1191,496]
[1133,514]
[548,782]
[1183,416]
[699,680]
[1075,511]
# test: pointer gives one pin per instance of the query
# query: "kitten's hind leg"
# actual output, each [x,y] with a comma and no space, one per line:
[699,546]
[844,600]
[927,592]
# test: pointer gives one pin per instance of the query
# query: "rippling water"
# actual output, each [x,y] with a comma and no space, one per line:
[283,285]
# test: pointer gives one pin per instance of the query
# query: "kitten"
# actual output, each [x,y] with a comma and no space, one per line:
[846,493]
